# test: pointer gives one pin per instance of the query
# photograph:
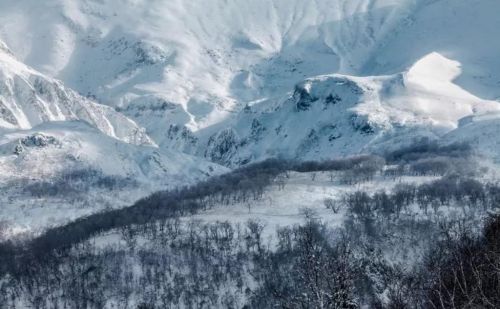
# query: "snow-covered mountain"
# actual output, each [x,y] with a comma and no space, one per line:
[48,131]
[382,116]
[78,128]
[196,74]
[192,62]
[57,147]
[28,98]
[166,86]
[195,63]
[337,115]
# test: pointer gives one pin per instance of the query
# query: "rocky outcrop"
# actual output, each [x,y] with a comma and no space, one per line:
[222,146]
[35,140]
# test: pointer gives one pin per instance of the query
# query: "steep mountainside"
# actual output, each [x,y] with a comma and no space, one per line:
[28,98]
[59,171]
[206,58]
[338,115]
[193,62]
[59,149]
[31,103]
[184,69]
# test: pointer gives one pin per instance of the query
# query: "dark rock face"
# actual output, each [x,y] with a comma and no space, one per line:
[38,140]
[177,132]
[362,125]
[35,140]
[148,54]
[257,130]
[180,138]
[303,99]
[332,99]
[331,91]
[221,146]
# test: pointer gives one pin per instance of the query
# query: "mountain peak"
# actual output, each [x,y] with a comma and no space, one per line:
[435,67]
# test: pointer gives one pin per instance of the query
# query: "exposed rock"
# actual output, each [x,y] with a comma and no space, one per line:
[303,98]
[222,146]
[362,124]
[35,140]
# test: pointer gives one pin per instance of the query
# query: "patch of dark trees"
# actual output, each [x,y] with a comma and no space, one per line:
[307,270]
[466,194]
[75,182]
[459,270]
[242,184]
[425,148]
[466,270]
[223,265]
[312,265]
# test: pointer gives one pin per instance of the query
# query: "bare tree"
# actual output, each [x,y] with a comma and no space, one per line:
[332,204]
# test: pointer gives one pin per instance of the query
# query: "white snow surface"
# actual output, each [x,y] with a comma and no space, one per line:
[194,63]
[337,115]
[48,130]
[79,144]
[49,151]
[287,206]
[28,98]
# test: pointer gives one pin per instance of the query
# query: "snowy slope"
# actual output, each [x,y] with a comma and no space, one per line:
[53,147]
[88,170]
[335,115]
[28,98]
[184,69]
[482,132]
[285,207]
[49,133]
[193,62]
[465,31]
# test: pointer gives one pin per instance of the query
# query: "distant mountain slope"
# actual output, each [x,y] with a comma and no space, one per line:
[32,103]
[187,70]
[59,171]
[55,147]
[28,98]
[195,62]
[59,150]
[335,115]
[482,132]
[465,31]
